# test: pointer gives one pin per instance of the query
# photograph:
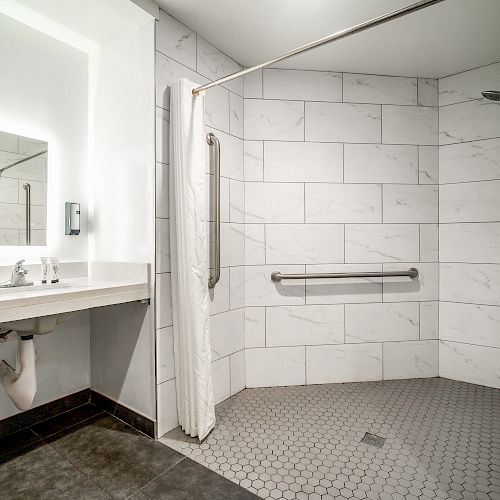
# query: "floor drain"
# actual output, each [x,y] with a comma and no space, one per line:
[373,440]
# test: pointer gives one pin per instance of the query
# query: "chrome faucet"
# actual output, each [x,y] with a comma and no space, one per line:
[18,277]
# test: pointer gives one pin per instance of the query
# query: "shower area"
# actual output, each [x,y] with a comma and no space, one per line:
[354,305]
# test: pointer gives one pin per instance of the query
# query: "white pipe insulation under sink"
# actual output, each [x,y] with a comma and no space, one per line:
[20,382]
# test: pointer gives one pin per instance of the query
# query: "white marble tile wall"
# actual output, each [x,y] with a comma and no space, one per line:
[469,229]
[182,53]
[341,175]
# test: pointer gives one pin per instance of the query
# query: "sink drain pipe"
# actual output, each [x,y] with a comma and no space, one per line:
[20,383]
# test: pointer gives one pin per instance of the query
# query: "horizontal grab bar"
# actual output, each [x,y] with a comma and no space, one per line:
[276,276]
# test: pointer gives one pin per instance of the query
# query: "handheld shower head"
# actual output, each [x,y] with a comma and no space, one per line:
[492,95]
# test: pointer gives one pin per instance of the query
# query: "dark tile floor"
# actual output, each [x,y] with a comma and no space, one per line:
[86,453]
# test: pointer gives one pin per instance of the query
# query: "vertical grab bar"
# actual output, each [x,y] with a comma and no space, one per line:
[27,189]
[215,208]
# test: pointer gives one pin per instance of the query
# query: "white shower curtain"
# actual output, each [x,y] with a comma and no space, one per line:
[189,255]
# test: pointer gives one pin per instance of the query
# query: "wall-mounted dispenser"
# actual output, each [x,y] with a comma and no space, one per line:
[72,213]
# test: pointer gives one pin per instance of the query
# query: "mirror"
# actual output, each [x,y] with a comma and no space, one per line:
[23,190]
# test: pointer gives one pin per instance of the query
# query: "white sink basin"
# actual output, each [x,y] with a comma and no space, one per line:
[34,288]
[37,326]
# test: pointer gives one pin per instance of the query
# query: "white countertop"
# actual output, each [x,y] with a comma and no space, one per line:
[74,294]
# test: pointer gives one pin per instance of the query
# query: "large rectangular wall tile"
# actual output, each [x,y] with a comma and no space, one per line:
[274,202]
[221,379]
[380,89]
[469,363]
[470,202]
[176,40]
[472,283]
[232,237]
[343,363]
[255,327]
[428,164]
[237,367]
[470,161]
[217,108]
[304,243]
[342,122]
[302,85]
[9,190]
[343,203]
[162,135]
[260,290]
[335,291]
[404,203]
[417,359]
[231,155]
[423,288]
[162,245]
[274,120]
[165,368]
[469,121]
[381,322]
[255,244]
[254,160]
[213,64]
[237,201]
[470,324]
[380,163]
[428,92]
[163,300]
[409,125]
[227,333]
[381,242]
[468,85]
[253,85]
[236,115]
[275,366]
[162,187]
[167,407]
[429,320]
[429,242]
[219,296]
[237,287]
[473,242]
[304,325]
[303,162]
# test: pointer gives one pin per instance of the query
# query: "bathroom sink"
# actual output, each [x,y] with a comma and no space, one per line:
[37,326]
[34,288]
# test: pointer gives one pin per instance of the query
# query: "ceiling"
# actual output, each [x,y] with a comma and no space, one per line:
[438,41]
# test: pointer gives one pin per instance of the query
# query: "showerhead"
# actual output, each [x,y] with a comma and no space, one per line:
[492,95]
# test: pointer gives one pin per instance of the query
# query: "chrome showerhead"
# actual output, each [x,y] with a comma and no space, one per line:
[492,95]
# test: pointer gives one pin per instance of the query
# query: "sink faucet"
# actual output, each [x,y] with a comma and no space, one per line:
[18,277]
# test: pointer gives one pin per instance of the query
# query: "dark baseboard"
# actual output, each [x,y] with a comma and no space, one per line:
[43,412]
[130,417]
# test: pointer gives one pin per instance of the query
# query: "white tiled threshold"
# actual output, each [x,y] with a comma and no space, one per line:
[304,442]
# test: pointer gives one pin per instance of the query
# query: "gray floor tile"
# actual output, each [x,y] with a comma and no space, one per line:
[188,481]
[39,472]
[116,456]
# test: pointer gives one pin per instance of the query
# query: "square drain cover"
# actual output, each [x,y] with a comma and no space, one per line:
[373,440]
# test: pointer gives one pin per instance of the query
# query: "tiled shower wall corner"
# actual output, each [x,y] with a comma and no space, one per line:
[469,230]
[341,174]
[182,53]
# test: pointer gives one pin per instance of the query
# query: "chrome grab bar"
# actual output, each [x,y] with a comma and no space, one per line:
[276,276]
[27,189]
[215,208]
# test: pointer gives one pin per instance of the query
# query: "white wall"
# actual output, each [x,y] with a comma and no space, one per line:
[181,53]
[469,231]
[44,95]
[122,220]
[340,175]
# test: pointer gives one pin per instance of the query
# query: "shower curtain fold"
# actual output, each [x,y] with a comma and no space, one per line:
[189,256]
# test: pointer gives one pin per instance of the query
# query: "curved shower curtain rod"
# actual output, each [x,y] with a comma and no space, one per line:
[323,41]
